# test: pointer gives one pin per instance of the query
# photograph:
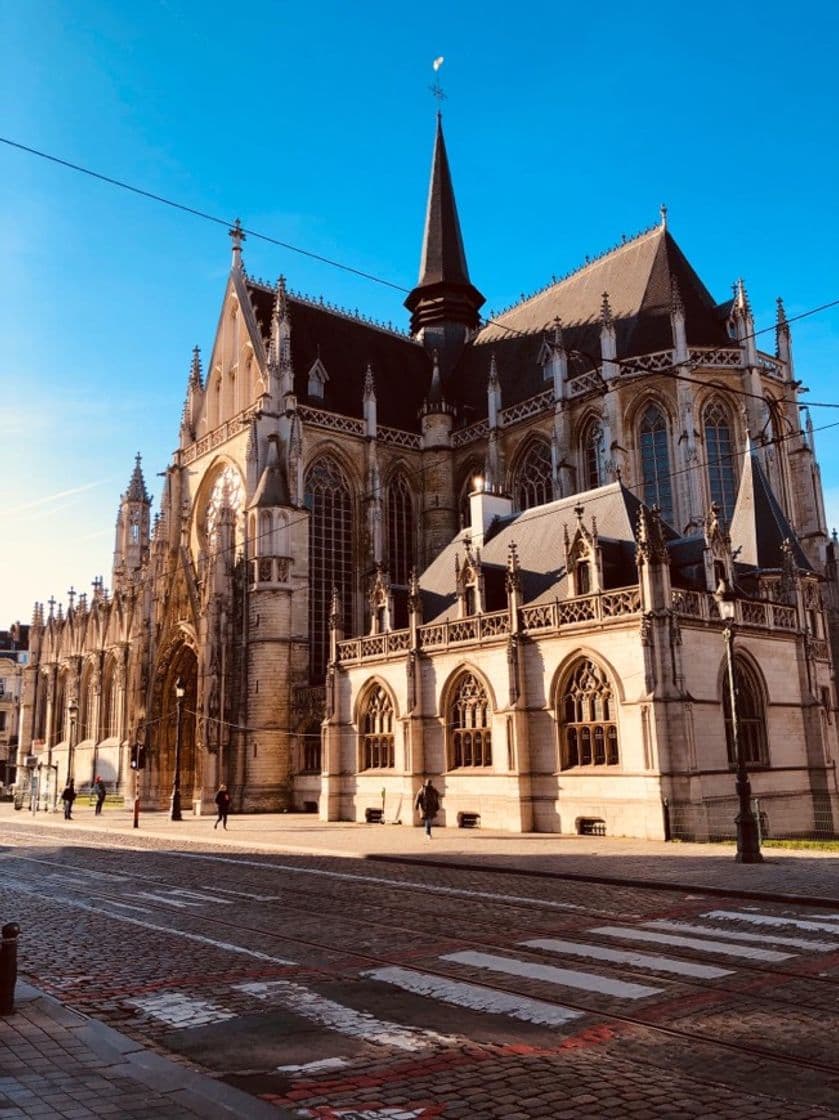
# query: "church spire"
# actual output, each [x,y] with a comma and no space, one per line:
[445,303]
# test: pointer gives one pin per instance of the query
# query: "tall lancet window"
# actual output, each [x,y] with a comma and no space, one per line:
[655,461]
[328,497]
[377,740]
[533,484]
[751,716]
[401,530]
[718,450]
[594,456]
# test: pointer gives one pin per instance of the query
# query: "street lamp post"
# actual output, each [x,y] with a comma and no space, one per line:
[73,713]
[180,692]
[748,837]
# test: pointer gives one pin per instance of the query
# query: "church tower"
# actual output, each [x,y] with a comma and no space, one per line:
[131,546]
[445,303]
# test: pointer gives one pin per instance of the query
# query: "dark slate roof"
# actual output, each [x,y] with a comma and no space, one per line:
[759,526]
[443,258]
[639,278]
[539,535]
[345,346]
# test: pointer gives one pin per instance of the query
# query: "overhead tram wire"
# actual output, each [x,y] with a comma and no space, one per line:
[673,371]
[732,456]
[227,223]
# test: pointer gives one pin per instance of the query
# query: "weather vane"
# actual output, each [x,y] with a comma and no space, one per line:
[437,89]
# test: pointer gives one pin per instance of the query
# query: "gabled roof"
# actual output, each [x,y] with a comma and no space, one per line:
[759,526]
[639,277]
[345,346]
[539,536]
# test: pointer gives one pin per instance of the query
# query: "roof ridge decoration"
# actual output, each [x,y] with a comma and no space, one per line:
[555,280]
[334,308]
[196,380]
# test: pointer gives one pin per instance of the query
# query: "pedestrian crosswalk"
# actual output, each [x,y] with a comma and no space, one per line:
[672,950]
[553,982]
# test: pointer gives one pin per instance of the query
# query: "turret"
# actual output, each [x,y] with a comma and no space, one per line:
[132,529]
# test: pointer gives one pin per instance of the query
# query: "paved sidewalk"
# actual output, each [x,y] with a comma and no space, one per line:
[57,1063]
[807,875]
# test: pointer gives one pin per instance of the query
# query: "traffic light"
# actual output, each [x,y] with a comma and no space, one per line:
[138,756]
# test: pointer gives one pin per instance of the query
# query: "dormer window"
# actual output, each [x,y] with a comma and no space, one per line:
[318,378]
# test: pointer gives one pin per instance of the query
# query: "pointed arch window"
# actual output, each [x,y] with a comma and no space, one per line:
[594,456]
[718,449]
[473,472]
[589,731]
[108,719]
[329,500]
[377,740]
[533,483]
[401,530]
[87,707]
[751,716]
[469,718]
[655,461]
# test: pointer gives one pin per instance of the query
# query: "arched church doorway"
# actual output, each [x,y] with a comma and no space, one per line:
[178,673]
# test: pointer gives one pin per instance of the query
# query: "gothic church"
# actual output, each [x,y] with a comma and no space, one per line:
[481,549]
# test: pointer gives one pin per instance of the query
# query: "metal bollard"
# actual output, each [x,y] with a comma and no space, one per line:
[8,967]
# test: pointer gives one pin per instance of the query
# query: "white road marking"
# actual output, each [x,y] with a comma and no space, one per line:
[548,974]
[725,948]
[25,888]
[179,1010]
[315,1067]
[474,997]
[733,935]
[770,920]
[204,897]
[167,898]
[344,1020]
[627,956]
[247,894]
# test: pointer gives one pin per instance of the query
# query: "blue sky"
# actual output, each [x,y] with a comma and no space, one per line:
[566,127]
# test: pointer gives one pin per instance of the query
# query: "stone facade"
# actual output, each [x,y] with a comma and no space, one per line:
[322,458]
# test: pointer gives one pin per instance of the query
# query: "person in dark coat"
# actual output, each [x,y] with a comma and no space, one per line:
[100,794]
[428,805]
[68,797]
[223,806]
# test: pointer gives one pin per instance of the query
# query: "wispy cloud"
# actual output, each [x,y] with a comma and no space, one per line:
[58,495]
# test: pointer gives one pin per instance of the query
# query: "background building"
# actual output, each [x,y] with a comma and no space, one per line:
[14,655]
[323,457]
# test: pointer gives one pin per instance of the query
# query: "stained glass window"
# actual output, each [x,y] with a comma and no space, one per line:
[587,712]
[594,449]
[401,530]
[655,462]
[751,717]
[327,496]
[720,459]
[469,724]
[377,743]
[533,485]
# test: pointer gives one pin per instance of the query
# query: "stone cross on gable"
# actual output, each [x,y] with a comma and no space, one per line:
[51,605]
[71,595]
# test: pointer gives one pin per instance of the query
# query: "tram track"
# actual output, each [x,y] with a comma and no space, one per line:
[379,960]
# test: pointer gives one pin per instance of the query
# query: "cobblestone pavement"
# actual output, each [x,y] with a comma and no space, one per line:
[366,989]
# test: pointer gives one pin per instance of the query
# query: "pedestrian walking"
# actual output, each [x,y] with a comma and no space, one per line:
[68,797]
[223,806]
[428,805]
[100,794]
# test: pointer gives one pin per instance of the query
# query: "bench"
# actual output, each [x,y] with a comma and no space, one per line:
[468,820]
[374,816]
[591,826]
